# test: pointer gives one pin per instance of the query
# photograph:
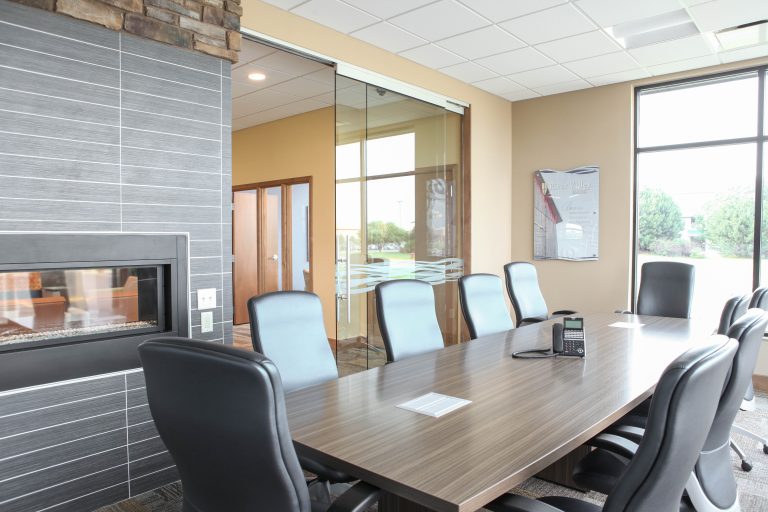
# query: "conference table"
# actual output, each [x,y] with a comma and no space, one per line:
[524,415]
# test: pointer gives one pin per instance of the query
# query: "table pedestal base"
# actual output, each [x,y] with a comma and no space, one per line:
[560,472]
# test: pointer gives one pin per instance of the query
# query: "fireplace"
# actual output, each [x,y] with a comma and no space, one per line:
[74,305]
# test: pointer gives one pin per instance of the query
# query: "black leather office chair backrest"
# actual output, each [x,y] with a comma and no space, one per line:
[713,468]
[733,309]
[483,305]
[680,415]
[288,328]
[407,319]
[220,411]
[759,299]
[524,291]
[666,289]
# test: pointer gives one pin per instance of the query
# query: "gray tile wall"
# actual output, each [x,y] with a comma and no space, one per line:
[103,131]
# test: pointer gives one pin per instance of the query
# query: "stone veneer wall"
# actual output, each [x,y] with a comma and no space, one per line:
[103,131]
[207,26]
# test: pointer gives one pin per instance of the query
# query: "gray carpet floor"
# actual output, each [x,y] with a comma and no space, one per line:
[753,486]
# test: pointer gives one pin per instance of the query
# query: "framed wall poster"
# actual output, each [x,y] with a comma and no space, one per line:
[566,207]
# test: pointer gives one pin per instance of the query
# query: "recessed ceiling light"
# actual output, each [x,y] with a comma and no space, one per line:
[257,77]
[749,34]
[655,29]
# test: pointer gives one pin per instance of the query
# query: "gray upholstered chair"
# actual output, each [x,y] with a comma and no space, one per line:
[525,294]
[733,309]
[666,289]
[711,486]
[221,413]
[483,305]
[759,300]
[288,328]
[680,417]
[407,319]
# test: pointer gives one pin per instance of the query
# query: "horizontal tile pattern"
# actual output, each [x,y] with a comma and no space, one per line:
[104,131]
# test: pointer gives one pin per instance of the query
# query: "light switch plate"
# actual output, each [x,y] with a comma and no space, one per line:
[206,321]
[206,298]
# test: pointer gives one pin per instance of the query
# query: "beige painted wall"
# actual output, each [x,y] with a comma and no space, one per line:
[298,146]
[592,126]
[491,120]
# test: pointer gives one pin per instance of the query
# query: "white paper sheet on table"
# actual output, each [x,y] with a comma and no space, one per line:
[434,404]
[626,325]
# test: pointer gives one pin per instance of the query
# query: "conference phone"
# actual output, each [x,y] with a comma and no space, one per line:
[567,340]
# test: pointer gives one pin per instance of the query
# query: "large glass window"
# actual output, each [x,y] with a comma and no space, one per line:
[698,168]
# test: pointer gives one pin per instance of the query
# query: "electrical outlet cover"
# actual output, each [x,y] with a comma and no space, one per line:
[206,298]
[206,321]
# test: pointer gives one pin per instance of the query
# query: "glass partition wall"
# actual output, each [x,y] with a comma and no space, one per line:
[398,211]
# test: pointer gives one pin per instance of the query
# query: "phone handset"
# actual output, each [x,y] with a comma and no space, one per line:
[557,338]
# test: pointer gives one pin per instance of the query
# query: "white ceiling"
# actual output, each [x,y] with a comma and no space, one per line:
[294,85]
[521,49]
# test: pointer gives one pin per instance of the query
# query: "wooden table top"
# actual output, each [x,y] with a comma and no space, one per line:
[524,415]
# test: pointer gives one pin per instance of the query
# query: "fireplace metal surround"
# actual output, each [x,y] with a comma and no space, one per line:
[70,357]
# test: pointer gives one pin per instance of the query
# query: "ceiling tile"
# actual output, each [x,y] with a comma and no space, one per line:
[753,52]
[432,56]
[468,72]
[683,65]
[326,76]
[387,8]
[500,10]
[602,64]
[259,101]
[579,47]
[671,51]
[304,88]
[273,77]
[515,61]
[328,98]
[387,36]
[522,94]
[572,85]
[289,63]
[335,14]
[498,85]
[285,4]
[722,14]
[250,51]
[608,13]
[543,76]
[622,76]
[555,23]
[481,42]
[443,19]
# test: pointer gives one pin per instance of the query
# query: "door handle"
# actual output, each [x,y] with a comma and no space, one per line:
[274,257]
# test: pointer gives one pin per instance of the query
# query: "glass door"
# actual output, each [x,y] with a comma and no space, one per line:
[398,210]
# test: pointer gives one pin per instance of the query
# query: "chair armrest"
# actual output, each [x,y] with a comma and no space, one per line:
[617,445]
[634,434]
[514,503]
[564,312]
[529,321]
[622,311]
[358,498]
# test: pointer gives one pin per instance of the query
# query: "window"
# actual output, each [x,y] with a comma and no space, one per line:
[699,173]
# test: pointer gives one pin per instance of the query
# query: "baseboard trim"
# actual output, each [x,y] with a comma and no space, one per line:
[760,382]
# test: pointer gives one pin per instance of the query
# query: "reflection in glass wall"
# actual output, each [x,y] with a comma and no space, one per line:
[398,210]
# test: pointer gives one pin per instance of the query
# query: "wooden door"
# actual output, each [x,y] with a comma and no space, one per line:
[271,240]
[245,248]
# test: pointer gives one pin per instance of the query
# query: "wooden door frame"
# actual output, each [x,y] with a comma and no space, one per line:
[286,224]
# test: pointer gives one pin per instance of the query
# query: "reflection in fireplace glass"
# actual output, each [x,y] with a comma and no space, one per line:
[78,303]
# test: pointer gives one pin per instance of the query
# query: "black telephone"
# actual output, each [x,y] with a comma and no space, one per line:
[567,340]
[568,337]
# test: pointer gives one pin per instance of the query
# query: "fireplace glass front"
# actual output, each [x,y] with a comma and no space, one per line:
[74,304]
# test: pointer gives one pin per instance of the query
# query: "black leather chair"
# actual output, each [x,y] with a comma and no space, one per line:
[525,294]
[288,328]
[666,289]
[680,417]
[483,306]
[733,309]
[711,486]
[407,319]
[221,413]
[759,299]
